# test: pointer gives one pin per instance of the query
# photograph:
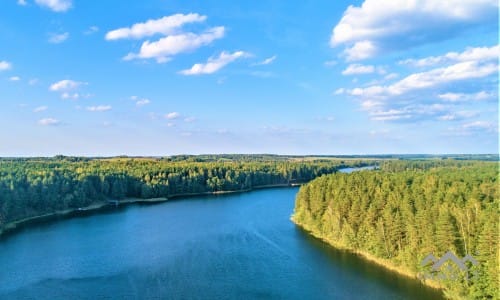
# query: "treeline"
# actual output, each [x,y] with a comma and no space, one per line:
[407,210]
[33,187]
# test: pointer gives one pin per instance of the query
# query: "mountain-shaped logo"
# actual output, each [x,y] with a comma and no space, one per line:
[449,266]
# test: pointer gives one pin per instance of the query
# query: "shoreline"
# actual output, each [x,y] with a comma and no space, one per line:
[386,264]
[94,207]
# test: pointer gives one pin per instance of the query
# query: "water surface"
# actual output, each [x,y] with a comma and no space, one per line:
[238,246]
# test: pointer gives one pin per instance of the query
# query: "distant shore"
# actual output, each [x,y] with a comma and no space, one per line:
[96,206]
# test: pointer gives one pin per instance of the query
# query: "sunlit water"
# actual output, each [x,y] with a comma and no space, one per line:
[238,246]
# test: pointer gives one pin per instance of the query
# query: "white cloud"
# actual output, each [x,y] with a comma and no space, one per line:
[21,2]
[142,102]
[55,5]
[15,78]
[33,81]
[470,54]
[456,72]
[168,46]
[65,85]
[427,95]
[330,63]
[355,69]
[360,50]
[99,108]
[173,40]
[391,76]
[428,79]
[40,109]
[262,74]
[459,115]
[266,61]
[480,125]
[91,30]
[327,118]
[72,96]
[48,122]
[5,65]
[339,91]
[214,64]
[370,104]
[462,97]
[172,116]
[56,38]
[165,26]
[390,115]
[382,25]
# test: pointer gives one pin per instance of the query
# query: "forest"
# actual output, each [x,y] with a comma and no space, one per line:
[32,187]
[399,214]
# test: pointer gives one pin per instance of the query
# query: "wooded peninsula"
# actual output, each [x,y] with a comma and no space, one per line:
[406,210]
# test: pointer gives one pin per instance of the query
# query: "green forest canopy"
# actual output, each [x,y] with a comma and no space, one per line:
[36,186]
[409,209]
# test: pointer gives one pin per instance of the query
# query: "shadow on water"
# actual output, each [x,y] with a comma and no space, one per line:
[359,265]
[45,221]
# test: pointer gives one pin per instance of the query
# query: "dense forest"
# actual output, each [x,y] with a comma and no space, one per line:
[36,186]
[406,210]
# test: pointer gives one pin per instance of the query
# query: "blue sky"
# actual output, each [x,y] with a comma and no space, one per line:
[162,77]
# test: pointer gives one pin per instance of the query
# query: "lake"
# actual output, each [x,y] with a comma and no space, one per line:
[236,246]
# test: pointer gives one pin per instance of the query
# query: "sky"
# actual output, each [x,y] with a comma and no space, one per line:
[164,77]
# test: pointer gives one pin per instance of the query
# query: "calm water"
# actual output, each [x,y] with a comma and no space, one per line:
[240,246]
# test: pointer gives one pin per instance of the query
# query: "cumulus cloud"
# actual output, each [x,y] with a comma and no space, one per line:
[73,96]
[480,125]
[214,63]
[463,97]
[48,122]
[165,26]
[14,78]
[173,41]
[428,79]
[57,38]
[55,5]
[142,102]
[168,46]
[355,69]
[5,65]
[266,61]
[40,109]
[431,94]
[470,54]
[381,25]
[172,116]
[65,85]
[91,30]
[339,91]
[459,115]
[99,108]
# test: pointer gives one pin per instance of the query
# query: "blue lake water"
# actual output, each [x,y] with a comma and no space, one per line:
[237,246]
